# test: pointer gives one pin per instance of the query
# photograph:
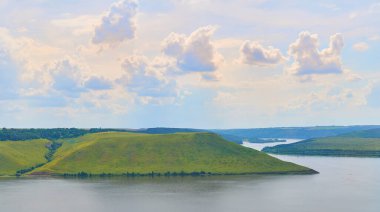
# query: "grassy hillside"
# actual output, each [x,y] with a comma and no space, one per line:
[18,155]
[358,144]
[119,153]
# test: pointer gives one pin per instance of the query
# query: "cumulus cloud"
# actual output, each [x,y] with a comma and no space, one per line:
[118,24]
[147,79]
[193,53]
[360,47]
[254,53]
[309,60]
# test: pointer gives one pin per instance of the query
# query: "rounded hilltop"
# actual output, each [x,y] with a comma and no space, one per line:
[123,153]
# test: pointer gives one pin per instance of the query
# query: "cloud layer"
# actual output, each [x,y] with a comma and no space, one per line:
[104,59]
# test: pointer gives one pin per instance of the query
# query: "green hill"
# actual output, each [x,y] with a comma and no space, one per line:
[119,153]
[19,155]
[357,144]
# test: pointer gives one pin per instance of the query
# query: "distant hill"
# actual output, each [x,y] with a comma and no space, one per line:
[372,133]
[19,155]
[233,135]
[12,134]
[255,135]
[120,153]
[294,132]
[239,139]
[357,144]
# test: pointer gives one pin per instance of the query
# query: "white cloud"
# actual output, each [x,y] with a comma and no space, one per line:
[194,53]
[254,53]
[309,60]
[360,47]
[118,24]
[147,79]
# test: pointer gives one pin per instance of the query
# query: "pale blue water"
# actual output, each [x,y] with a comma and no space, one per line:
[344,184]
[260,146]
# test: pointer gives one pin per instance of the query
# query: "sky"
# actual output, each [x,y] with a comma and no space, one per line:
[189,63]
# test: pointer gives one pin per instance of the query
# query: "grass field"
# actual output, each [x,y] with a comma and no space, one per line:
[119,152]
[331,146]
[18,155]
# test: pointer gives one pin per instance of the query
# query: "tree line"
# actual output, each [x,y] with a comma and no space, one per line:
[134,174]
[12,134]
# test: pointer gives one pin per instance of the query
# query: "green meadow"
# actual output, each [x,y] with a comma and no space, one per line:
[20,155]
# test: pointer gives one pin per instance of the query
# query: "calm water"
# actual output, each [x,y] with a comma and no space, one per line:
[260,146]
[344,184]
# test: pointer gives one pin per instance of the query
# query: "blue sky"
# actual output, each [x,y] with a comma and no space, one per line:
[189,63]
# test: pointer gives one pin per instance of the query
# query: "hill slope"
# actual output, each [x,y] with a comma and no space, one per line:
[18,155]
[357,144]
[119,153]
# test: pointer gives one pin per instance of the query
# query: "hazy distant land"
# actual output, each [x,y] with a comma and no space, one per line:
[364,143]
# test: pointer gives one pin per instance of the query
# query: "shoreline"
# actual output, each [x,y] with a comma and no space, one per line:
[173,174]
